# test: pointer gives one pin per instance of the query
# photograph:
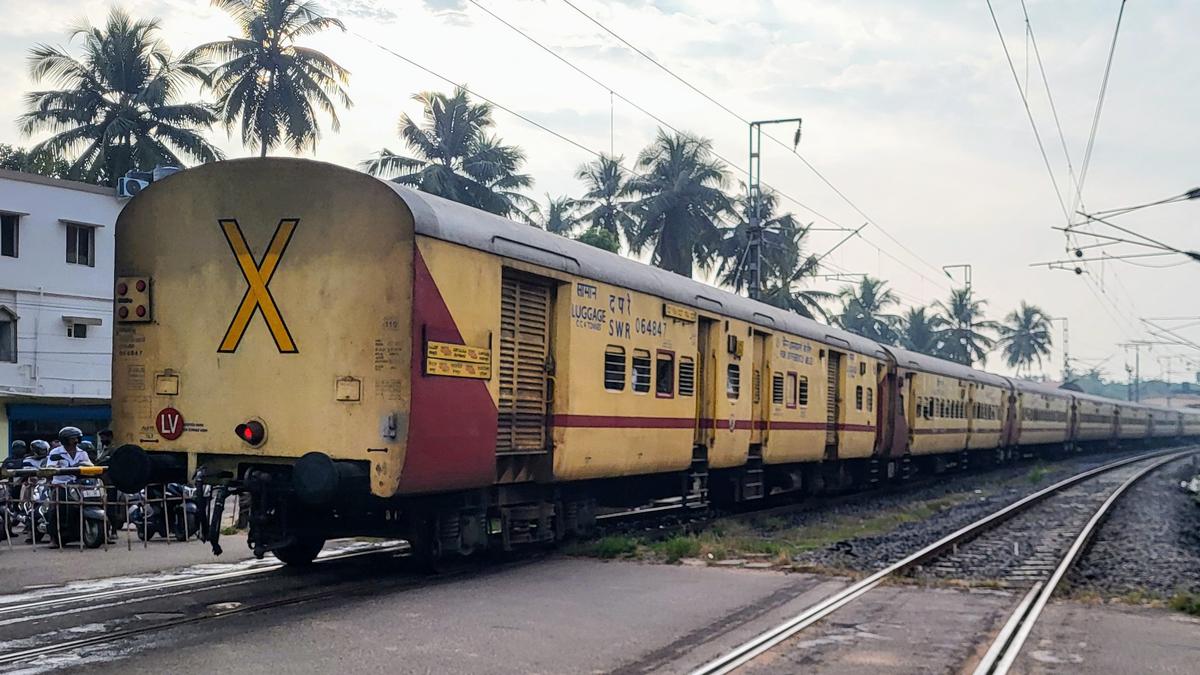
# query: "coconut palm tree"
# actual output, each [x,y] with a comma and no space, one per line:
[786,269]
[964,340]
[561,215]
[920,331]
[1025,337]
[117,107]
[679,202]
[456,158]
[864,310]
[735,238]
[605,184]
[268,82]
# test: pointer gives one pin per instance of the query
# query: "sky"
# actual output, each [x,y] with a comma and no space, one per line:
[910,110]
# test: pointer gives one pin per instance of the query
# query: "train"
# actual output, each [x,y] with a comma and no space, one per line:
[363,359]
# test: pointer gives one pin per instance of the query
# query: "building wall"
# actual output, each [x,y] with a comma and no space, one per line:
[42,288]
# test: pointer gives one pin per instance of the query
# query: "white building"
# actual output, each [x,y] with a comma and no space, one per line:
[56,294]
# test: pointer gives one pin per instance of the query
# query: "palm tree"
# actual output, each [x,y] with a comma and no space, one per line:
[735,238]
[864,310]
[456,158]
[1025,337]
[561,215]
[920,331]
[269,82]
[963,337]
[117,108]
[786,269]
[680,202]
[605,182]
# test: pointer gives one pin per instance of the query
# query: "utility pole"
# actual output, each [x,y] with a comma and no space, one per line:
[1134,373]
[754,193]
[1066,348]
[966,274]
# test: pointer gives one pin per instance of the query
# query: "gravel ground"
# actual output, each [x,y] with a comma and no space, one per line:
[970,497]
[1149,549]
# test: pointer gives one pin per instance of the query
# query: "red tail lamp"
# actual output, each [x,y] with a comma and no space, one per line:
[252,432]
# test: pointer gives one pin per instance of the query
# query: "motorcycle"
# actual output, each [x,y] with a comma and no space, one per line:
[60,514]
[147,512]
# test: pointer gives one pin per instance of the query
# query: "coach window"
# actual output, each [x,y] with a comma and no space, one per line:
[733,381]
[792,386]
[862,367]
[614,368]
[641,371]
[870,399]
[858,397]
[803,390]
[664,374]
[687,376]
[777,388]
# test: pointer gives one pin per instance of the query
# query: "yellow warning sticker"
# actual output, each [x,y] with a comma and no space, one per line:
[444,367]
[452,352]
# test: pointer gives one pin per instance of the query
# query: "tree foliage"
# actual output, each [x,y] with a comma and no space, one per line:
[116,108]
[601,238]
[921,331]
[865,310]
[966,336]
[455,158]
[1025,337]
[603,200]
[19,159]
[271,84]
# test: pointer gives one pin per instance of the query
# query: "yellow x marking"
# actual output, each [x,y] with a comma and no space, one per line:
[258,275]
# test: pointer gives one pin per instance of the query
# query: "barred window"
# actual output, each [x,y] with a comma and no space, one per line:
[665,375]
[756,386]
[858,397]
[777,389]
[641,371]
[870,399]
[791,390]
[687,376]
[862,367]
[733,381]
[803,390]
[614,368]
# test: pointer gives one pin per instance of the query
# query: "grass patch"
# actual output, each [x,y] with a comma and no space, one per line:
[229,530]
[606,548]
[1037,474]
[1186,602]
[676,548]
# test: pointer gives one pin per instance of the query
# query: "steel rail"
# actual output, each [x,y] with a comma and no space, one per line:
[1007,646]
[756,646]
[176,583]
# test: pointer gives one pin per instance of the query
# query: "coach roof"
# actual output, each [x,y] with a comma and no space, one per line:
[453,222]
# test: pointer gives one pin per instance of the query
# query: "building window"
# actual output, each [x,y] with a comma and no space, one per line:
[858,397]
[791,390]
[733,381]
[803,390]
[8,336]
[777,389]
[81,245]
[664,377]
[9,234]
[687,376]
[641,371]
[77,330]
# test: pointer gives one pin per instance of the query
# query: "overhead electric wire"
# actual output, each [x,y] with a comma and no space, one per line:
[1029,113]
[1087,154]
[774,139]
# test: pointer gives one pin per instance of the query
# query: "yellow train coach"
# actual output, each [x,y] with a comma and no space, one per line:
[364,359]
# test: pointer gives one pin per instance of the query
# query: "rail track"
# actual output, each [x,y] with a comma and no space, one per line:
[1105,484]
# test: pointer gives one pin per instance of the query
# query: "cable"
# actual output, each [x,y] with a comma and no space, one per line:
[774,139]
[1025,101]
[1087,154]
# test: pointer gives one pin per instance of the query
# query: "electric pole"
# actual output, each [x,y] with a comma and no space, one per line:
[1066,348]
[754,193]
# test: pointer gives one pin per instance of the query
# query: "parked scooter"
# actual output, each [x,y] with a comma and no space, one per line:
[147,512]
[60,513]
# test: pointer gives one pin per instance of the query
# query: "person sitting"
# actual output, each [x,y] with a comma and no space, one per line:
[69,455]
[16,456]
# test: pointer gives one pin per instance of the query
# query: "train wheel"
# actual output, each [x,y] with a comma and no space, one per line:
[300,552]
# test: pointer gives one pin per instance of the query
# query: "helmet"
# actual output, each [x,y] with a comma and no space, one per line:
[19,449]
[70,432]
[18,445]
[86,446]
[40,447]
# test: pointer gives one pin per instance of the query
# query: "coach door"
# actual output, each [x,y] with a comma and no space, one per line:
[525,311]
[758,401]
[833,402]
[706,378]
